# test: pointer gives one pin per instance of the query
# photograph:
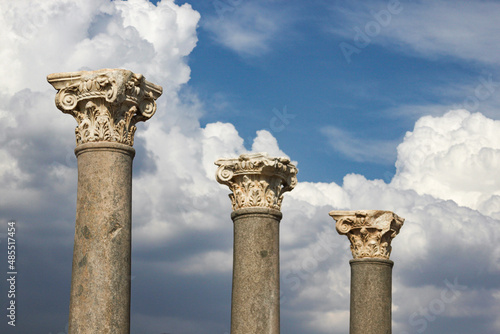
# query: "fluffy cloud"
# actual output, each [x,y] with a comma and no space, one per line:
[78,35]
[441,244]
[445,186]
[452,157]
[445,172]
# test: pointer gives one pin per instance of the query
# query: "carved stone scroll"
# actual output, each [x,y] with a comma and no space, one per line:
[106,103]
[369,231]
[257,180]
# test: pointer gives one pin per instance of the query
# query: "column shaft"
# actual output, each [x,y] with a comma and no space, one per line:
[106,104]
[100,284]
[371,296]
[258,183]
[255,295]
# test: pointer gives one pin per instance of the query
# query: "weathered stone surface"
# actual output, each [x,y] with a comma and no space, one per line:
[255,306]
[258,183]
[100,281]
[257,180]
[106,103]
[371,296]
[369,231]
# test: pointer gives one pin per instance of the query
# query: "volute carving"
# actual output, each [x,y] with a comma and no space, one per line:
[369,231]
[105,103]
[257,180]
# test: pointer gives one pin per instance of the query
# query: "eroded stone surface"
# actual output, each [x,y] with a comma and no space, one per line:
[257,180]
[258,183]
[369,231]
[371,296]
[255,298]
[106,103]
[100,280]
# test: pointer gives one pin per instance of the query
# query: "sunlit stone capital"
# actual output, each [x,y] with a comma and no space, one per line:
[106,103]
[257,180]
[369,231]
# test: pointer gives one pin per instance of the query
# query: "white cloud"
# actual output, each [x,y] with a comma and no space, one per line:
[265,142]
[447,168]
[248,28]
[439,241]
[320,194]
[452,157]
[207,263]
[95,34]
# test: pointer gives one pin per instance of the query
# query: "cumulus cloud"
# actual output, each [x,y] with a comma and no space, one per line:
[79,35]
[445,186]
[452,157]
[37,141]
[441,243]
[265,142]
[178,206]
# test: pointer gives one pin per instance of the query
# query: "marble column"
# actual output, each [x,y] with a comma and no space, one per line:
[106,105]
[258,183]
[370,233]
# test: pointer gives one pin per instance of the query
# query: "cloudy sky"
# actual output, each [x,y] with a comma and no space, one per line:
[383,105]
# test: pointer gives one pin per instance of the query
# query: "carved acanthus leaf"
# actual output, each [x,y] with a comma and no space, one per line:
[257,180]
[370,231]
[105,103]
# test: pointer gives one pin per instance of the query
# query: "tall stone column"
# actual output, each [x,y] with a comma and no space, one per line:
[370,233]
[258,183]
[106,105]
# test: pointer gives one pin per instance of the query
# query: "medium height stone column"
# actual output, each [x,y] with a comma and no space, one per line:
[258,183]
[106,105]
[370,233]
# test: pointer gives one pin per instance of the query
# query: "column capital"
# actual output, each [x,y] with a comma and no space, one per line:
[369,231]
[257,180]
[106,103]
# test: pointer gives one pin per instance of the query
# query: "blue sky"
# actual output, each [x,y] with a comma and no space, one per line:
[408,122]
[299,65]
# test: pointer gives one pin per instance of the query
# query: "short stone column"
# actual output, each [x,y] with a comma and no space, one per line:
[106,105]
[370,233]
[258,183]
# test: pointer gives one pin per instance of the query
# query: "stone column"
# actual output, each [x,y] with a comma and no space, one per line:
[106,105]
[370,233]
[258,183]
